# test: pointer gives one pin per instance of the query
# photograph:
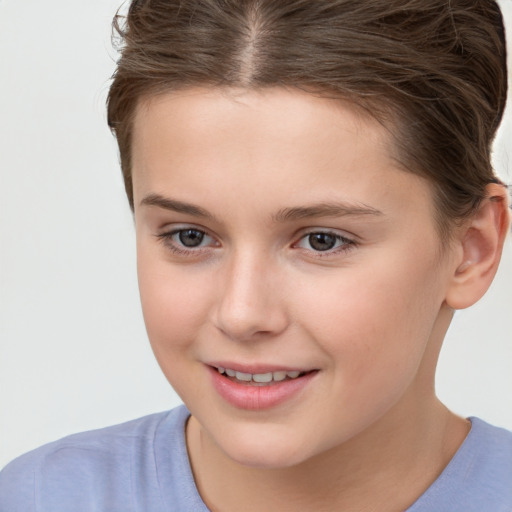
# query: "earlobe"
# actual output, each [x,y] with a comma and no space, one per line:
[481,244]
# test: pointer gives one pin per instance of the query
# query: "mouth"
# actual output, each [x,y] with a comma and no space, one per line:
[260,379]
[259,387]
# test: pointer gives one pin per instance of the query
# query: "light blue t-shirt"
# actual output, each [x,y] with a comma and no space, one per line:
[143,465]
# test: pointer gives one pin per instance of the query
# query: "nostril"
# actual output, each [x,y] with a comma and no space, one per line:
[250,323]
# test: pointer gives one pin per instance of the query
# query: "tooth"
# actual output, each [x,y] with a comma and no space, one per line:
[293,375]
[247,377]
[231,373]
[278,376]
[262,377]
[221,370]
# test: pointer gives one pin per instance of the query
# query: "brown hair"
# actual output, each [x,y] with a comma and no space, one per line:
[432,71]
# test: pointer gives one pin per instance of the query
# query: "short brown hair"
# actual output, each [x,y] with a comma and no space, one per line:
[433,71]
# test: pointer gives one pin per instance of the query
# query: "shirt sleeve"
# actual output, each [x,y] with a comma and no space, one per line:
[17,485]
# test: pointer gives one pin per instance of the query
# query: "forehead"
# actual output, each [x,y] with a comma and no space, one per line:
[209,142]
[284,113]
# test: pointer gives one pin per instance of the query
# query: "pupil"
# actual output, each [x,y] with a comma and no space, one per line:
[191,237]
[322,241]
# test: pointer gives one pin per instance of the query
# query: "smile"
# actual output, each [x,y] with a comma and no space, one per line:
[263,389]
[260,378]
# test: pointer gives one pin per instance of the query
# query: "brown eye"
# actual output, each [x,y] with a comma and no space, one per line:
[322,241]
[191,237]
[327,242]
[188,241]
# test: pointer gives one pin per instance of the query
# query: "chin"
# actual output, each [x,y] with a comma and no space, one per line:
[265,452]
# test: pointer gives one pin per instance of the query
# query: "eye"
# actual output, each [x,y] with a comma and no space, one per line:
[325,241]
[190,237]
[187,240]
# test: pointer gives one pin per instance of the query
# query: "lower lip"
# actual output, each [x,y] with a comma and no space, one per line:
[255,398]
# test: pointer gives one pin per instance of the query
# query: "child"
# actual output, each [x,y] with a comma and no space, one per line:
[313,199]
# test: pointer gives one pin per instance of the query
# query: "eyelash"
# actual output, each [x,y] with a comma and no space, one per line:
[167,239]
[346,243]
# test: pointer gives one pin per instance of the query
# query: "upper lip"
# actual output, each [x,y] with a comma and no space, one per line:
[259,368]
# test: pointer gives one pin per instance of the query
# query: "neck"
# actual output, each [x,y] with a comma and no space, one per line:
[384,468]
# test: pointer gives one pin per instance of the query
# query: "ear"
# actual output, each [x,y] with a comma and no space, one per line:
[481,244]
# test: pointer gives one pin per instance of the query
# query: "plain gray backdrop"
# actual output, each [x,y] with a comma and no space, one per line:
[73,351]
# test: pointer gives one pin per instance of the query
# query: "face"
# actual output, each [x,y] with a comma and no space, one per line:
[290,272]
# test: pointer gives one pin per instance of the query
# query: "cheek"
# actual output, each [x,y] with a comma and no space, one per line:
[373,323]
[174,302]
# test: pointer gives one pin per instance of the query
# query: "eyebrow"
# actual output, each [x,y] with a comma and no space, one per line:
[324,210]
[176,206]
[283,215]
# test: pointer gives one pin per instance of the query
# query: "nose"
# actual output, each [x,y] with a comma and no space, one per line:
[250,302]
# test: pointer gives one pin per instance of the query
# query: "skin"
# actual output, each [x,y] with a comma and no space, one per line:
[369,316]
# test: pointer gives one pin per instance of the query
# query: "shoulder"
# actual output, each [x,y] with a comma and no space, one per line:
[479,477]
[490,462]
[77,470]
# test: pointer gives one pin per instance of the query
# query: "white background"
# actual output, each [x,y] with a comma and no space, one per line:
[73,351]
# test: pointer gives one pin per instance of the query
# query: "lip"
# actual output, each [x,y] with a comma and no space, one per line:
[256,368]
[255,398]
